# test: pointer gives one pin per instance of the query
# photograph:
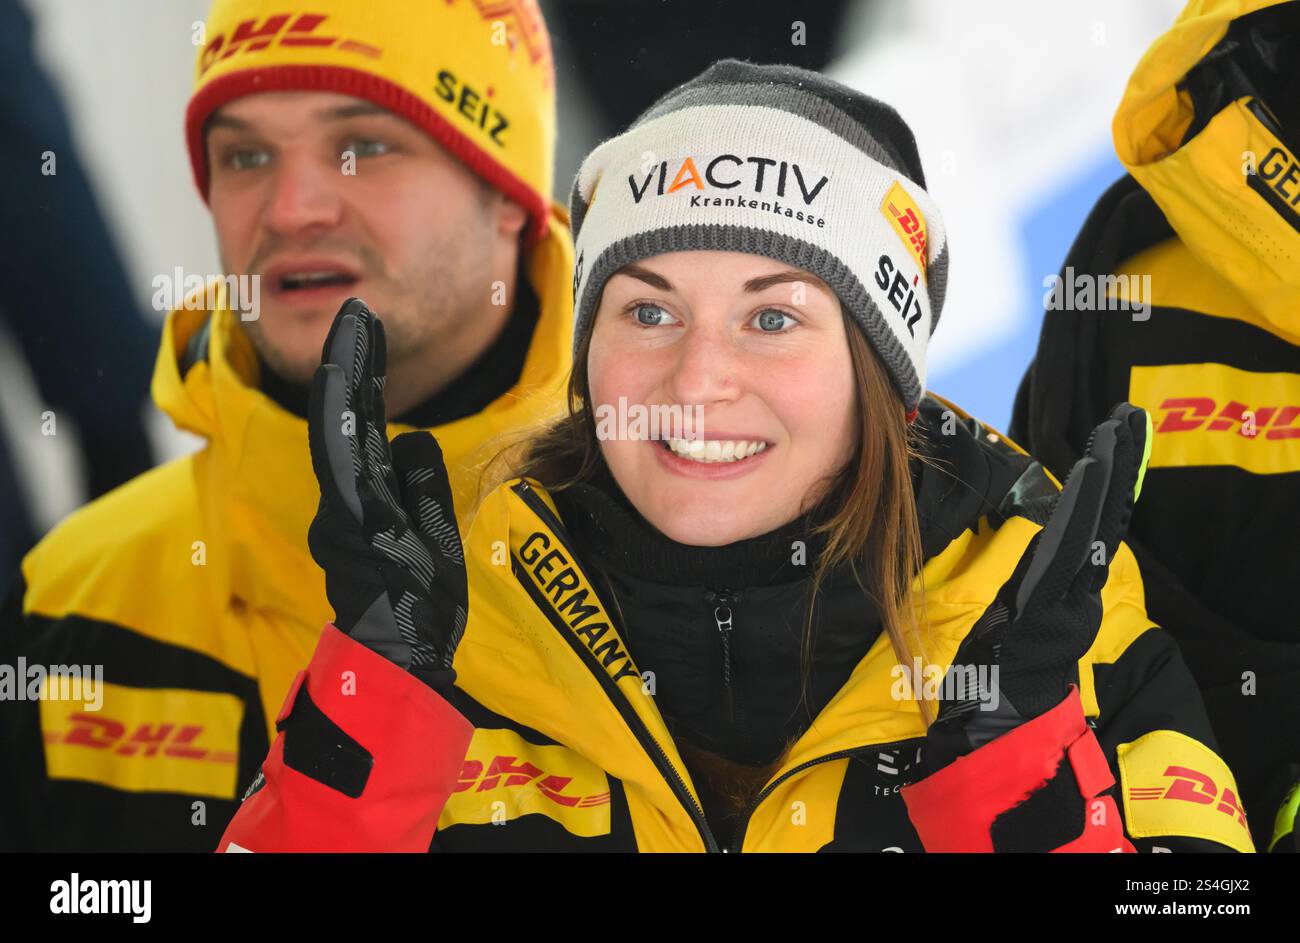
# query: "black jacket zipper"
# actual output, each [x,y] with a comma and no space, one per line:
[723,602]
[634,722]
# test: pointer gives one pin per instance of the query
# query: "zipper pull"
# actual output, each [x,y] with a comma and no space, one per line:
[722,601]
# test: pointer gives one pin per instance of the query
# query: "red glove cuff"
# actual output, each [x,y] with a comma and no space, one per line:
[418,742]
[954,808]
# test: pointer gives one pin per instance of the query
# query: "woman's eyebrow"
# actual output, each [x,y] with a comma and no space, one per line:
[780,278]
[754,284]
[647,276]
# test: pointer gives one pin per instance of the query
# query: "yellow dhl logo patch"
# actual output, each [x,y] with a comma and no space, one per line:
[1213,414]
[905,216]
[504,777]
[147,740]
[1174,785]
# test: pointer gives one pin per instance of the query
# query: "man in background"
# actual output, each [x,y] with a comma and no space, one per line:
[397,152]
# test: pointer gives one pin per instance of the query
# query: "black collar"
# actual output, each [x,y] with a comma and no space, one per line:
[603,519]
[485,380]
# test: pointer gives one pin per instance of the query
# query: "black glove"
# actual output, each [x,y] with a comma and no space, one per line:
[385,531]
[1046,617]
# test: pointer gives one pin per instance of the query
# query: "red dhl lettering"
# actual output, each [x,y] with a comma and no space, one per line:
[1187,413]
[911,225]
[1191,785]
[252,35]
[508,771]
[524,23]
[104,733]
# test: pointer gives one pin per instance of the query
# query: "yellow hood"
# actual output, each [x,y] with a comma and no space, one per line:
[261,493]
[1223,214]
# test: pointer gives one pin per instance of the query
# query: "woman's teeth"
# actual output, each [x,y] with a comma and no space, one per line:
[714,450]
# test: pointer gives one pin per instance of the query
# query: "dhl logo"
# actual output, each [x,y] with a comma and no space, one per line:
[1204,415]
[504,777]
[147,740]
[103,733]
[508,771]
[900,209]
[1191,785]
[1185,413]
[1188,774]
[252,35]
[525,25]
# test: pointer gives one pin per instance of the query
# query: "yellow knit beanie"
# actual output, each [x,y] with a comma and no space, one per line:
[477,75]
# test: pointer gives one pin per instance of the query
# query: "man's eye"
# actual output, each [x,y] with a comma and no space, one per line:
[651,315]
[247,159]
[772,321]
[367,147]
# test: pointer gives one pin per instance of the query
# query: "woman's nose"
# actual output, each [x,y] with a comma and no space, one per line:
[706,369]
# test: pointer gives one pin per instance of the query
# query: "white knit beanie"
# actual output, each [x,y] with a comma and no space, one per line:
[780,162]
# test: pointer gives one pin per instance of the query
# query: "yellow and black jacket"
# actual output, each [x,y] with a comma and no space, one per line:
[1193,313]
[193,588]
[554,738]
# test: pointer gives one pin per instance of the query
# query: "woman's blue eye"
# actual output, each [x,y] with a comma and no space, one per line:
[772,321]
[650,315]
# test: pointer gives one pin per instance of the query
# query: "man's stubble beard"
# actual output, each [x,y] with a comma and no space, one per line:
[414,309]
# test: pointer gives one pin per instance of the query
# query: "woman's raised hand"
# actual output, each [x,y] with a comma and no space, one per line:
[1046,617]
[385,530]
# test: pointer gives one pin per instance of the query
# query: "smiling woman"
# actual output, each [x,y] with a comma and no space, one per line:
[720,332]
[798,422]
[693,641]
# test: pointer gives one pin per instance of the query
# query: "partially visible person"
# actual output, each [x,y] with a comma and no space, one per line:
[64,296]
[1192,270]
[400,150]
[818,610]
